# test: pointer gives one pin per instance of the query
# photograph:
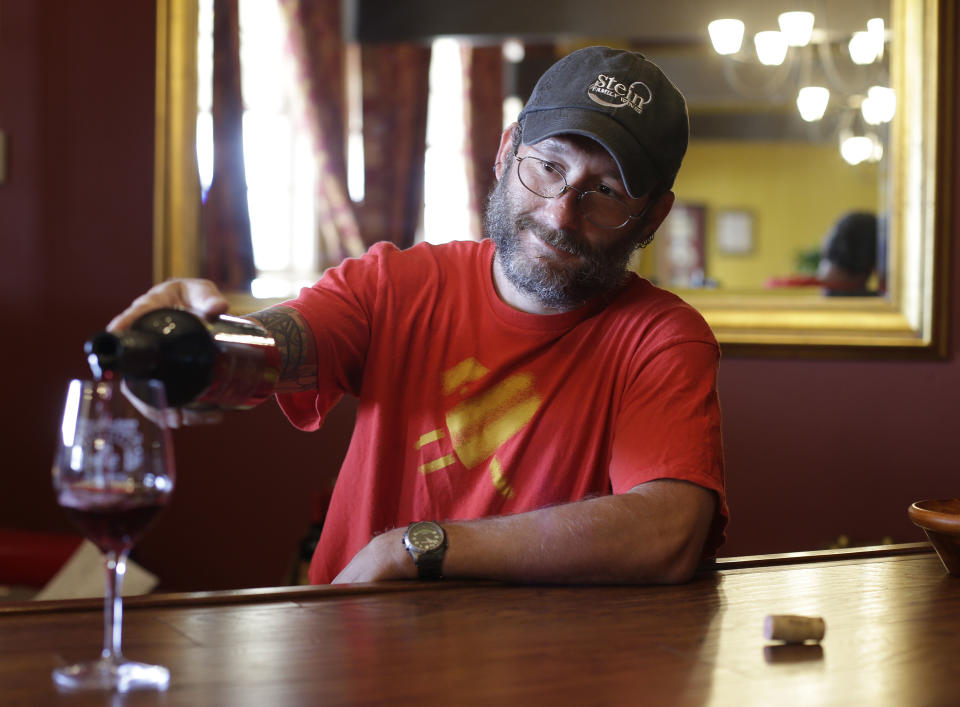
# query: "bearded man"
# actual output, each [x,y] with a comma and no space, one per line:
[529,410]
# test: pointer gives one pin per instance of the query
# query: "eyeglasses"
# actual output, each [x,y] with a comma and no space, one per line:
[547,180]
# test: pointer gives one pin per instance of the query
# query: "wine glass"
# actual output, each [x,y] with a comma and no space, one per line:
[112,472]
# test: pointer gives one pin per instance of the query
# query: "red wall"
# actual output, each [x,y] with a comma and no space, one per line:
[818,449]
[815,449]
[77,102]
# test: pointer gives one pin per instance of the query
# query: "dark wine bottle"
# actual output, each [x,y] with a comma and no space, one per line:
[228,363]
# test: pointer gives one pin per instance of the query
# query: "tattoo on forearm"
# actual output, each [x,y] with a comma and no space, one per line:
[298,351]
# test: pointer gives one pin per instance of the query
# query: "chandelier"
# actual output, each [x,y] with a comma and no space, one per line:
[851,83]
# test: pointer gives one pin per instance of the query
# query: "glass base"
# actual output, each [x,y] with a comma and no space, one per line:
[120,675]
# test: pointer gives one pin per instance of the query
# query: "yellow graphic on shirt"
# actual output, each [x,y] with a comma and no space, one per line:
[499,481]
[466,371]
[437,464]
[429,437]
[480,424]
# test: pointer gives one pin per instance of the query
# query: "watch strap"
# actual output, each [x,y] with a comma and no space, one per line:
[429,563]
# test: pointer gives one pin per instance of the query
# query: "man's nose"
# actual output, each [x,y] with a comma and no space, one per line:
[563,212]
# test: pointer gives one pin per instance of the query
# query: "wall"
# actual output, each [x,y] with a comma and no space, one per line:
[75,212]
[814,448]
[77,102]
[817,449]
[771,181]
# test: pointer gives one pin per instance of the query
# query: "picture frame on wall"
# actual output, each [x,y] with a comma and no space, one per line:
[735,232]
[681,253]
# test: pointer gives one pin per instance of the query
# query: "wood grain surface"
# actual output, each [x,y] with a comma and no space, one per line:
[892,638]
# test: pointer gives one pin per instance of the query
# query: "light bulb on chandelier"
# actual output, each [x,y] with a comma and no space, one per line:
[726,36]
[878,35]
[879,106]
[812,102]
[830,73]
[796,27]
[771,47]
[867,47]
[856,149]
[858,142]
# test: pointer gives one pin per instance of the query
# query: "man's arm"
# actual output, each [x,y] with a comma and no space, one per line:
[298,351]
[654,533]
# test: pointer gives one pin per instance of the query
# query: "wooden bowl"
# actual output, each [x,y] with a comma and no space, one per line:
[940,520]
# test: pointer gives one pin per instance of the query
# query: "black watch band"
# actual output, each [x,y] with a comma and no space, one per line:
[430,565]
[426,542]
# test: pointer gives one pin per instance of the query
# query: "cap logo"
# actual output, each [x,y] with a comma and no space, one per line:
[609,91]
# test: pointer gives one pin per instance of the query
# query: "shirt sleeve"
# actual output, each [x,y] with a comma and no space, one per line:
[339,309]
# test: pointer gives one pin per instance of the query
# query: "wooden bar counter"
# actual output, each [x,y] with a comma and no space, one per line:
[892,638]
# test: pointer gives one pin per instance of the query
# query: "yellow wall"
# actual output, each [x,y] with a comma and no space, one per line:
[794,191]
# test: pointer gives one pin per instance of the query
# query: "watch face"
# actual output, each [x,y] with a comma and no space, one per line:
[425,536]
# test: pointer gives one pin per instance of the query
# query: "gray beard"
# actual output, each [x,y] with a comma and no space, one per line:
[554,286]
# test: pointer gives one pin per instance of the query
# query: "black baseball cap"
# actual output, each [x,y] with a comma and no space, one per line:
[623,101]
[852,242]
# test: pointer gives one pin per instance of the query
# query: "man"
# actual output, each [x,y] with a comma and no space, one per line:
[848,256]
[527,410]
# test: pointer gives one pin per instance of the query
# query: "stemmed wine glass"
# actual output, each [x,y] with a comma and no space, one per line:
[112,472]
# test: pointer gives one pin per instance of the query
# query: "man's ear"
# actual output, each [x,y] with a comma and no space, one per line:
[657,212]
[506,149]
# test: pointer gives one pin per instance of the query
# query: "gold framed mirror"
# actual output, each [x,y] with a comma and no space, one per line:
[909,321]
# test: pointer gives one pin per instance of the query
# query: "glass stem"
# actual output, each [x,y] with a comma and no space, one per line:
[116,564]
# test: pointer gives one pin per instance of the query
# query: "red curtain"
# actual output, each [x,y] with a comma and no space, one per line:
[395,90]
[394,125]
[225,218]
[483,121]
[315,42]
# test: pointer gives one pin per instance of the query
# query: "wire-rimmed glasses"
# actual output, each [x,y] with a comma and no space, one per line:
[547,180]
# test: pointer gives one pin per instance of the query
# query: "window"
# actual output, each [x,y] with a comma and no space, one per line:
[278,153]
[278,156]
[446,203]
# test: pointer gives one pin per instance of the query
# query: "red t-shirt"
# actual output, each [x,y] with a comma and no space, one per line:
[469,408]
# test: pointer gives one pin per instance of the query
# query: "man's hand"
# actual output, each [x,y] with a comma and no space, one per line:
[201,297]
[384,557]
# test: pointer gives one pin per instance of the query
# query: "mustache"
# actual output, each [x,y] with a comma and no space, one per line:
[562,240]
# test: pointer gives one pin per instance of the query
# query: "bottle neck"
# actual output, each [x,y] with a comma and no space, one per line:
[130,353]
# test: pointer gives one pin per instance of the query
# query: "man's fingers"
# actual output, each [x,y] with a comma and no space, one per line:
[200,296]
[204,298]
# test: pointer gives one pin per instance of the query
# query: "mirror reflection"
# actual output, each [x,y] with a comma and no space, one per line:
[784,151]
[783,146]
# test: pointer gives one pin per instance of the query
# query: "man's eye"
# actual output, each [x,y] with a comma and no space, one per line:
[548,168]
[605,190]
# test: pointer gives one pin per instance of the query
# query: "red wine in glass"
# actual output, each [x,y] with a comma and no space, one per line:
[112,472]
[111,519]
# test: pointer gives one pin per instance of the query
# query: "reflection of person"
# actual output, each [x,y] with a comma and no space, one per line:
[556,414]
[848,256]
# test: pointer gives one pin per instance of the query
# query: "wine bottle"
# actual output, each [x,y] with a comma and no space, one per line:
[227,363]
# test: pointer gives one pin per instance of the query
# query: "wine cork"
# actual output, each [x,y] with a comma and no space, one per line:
[793,629]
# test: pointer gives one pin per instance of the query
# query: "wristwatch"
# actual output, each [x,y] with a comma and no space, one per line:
[427,544]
